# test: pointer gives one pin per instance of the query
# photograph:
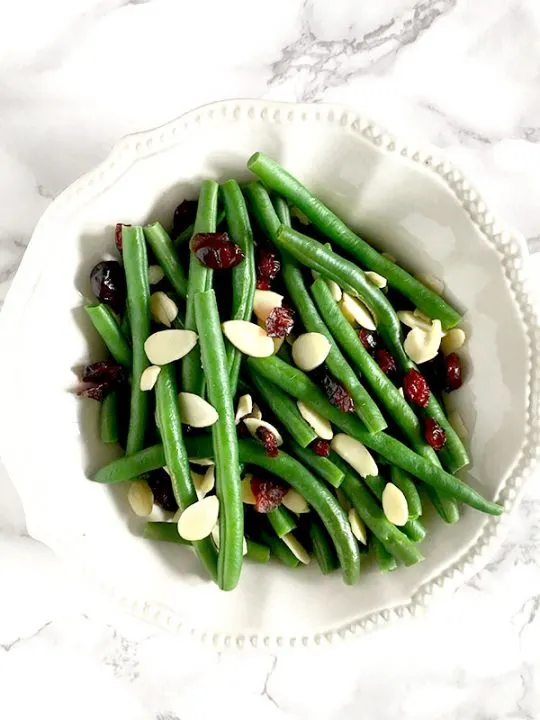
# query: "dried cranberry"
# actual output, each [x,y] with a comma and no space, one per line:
[161,486]
[118,235]
[268,265]
[280,322]
[321,447]
[415,388]
[263,284]
[337,394]
[242,430]
[434,434]
[454,372]
[96,391]
[368,340]
[269,441]
[184,214]
[386,362]
[216,251]
[268,492]
[104,371]
[109,284]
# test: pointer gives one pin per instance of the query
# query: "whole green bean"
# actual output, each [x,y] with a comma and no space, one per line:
[138,298]
[279,550]
[108,419]
[276,178]
[405,483]
[128,468]
[224,440]
[384,559]
[160,242]
[111,333]
[282,521]
[446,507]
[323,550]
[322,466]
[413,529]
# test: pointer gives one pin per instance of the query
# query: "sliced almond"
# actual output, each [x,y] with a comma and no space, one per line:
[204,483]
[319,423]
[354,453]
[375,279]
[412,321]
[149,377]
[247,493]
[197,520]
[249,338]
[357,526]
[456,421]
[310,350]
[166,346]
[140,498]
[202,461]
[255,413]
[432,282]
[295,502]
[395,505]
[356,312]
[244,407]
[197,479]
[453,340]
[422,346]
[253,425]
[297,549]
[419,314]
[215,538]
[335,290]
[163,309]
[195,411]
[343,500]
[264,301]
[155,274]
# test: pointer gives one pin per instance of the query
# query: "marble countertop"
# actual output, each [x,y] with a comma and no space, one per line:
[74,77]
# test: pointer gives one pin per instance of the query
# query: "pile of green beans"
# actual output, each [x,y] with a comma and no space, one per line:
[346,517]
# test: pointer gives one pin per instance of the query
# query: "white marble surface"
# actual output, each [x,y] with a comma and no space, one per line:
[74,76]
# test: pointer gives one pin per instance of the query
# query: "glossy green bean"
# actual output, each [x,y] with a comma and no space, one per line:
[384,559]
[279,550]
[323,550]
[446,507]
[160,242]
[405,483]
[105,322]
[108,419]
[322,466]
[413,529]
[282,521]
[129,468]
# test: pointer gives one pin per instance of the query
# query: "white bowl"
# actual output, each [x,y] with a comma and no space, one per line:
[411,203]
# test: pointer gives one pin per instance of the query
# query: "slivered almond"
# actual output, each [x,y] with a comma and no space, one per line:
[310,350]
[356,312]
[432,282]
[422,346]
[197,479]
[354,453]
[163,309]
[249,338]
[357,526]
[395,505]
[202,461]
[166,346]
[376,279]
[195,411]
[140,498]
[419,314]
[413,321]
[319,423]
[204,483]
[247,493]
[295,502]
[253,425]
[197,520]
[453,340]
[215,538]
[336,291]
[264,301]
[155,274]
[456,421]
[297,549]
[244,407]
[149,377]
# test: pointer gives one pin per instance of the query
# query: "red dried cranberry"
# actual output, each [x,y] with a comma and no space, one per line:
[263,284]
[280,322]
[337,394]
[415,388]
[268,265]
[434,434]
[184,214]
[368,340]
[269,441]
[454,372]
[268,492]
[104,371]
[216,251]
[118,235]
[321,447]
[161,486]
[386,362]
[109,284]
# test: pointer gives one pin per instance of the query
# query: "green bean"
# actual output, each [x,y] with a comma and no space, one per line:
[138,298]
[243,275]
[276,178]
[323,550]
[108,419]
[224,440]
[279,550]
[160,242]
[285,409]
[257,552]
[322,466]
[294,282]
[177,459]
[282,521]
[111,333]
[296,383]
[384,559]
[405,483]
[446,507]
[413,529]
[128,468]
[199,278]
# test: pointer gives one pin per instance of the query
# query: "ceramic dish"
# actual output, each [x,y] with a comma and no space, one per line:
[413,204]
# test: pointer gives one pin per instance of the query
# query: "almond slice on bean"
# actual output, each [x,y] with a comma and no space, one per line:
[335,290]
[412,321]
[419,314]
[215,538]
[357,526]
[297,549]
[244,407]
[456,421]
[253,425]
[198,520]
[422,346]
[395,505]
[204,483]
[166,346]
[354,453]
[163,309]
[295,502]
[195,411]
[149,377]
[356,312]
[375,279]
[453,340]
[247,493]
[155,274]
[319,423]
[202,461]
[249,338]
[140,498]
[264,301]
[310,350]
[432,282]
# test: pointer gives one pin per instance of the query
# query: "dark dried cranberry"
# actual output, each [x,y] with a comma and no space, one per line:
[321,447]
[280,322]
[96,391]
[268,492]
[184,214]
[368,339]
[263,284]
[386,362]
[268,265]
[161,486]
[216,251]
[104,371]
[118,235]
[454,372]
[269,441]
[415,388]
[337,394]
[109,284]
[434,434]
